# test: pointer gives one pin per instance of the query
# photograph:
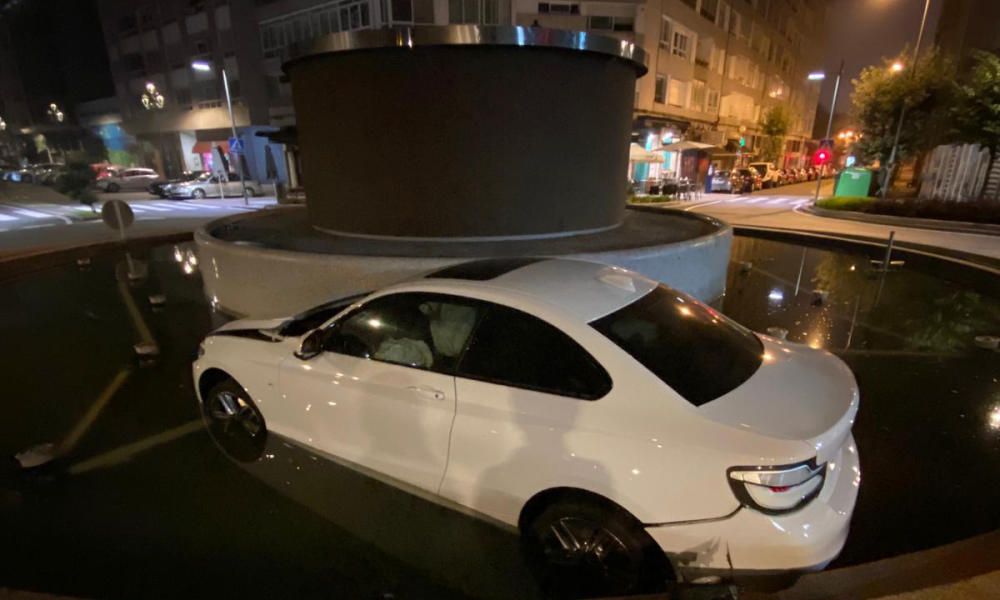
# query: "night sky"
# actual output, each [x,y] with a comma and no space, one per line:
[863,31]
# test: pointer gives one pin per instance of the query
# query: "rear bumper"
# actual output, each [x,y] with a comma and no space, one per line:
[750,543]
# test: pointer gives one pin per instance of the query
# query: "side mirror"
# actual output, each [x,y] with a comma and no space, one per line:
[312,345]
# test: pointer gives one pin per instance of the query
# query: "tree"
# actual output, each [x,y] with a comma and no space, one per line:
[880,94]
[775,126]
[976,111]
[75,182]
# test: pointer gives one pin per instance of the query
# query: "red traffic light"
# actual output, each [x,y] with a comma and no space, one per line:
[822,156]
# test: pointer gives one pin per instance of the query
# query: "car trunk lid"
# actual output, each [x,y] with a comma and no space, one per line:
[798,393]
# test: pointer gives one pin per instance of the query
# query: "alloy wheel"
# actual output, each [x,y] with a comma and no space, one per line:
[591,554]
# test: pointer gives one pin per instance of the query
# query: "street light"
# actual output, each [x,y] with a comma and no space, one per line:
[205,67]
[829,123]
[3,125]
[817,76]
[891,166]
[896,67]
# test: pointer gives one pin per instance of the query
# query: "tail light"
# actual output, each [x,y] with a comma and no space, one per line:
[775,490]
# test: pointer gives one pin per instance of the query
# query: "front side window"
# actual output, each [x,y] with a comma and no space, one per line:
[516,349]
[425,331]
[698,352]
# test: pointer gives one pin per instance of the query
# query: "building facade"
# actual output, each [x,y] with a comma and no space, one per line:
[716,66]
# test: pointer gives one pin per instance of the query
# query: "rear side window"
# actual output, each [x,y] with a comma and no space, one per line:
[695,350]
[513,348]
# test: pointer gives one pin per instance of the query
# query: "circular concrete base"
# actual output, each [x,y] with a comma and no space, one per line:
[273,263]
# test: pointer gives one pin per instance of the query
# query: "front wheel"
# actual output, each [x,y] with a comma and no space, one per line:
[580,548]
[113,187]
[251,192]
[234,422]
[198,193]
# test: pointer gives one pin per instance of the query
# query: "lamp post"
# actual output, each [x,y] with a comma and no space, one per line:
[891,165]
[829,123]
[206,68]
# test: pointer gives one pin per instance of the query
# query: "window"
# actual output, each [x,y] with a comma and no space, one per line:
[712,101]
[516,349]
[171,33]
[558,8]
[611,23]
[660,91]
[677,93]
[682,41]
[402,10]
[196,23]
[425,331]
[706,48]
[695,350]
[222,20]
[710,9]
[665,30]
[698,94]
[485,12]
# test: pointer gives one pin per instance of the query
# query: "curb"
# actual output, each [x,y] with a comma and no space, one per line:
[37,259]
[916,223]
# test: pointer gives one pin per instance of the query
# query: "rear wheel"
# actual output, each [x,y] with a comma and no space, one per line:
[582,548]
[113,187]
[251,192]
[198,193]
[234,421]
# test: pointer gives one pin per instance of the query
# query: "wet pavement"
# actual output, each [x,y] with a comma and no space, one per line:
[145,505]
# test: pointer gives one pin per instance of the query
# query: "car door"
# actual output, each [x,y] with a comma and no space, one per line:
[521,385]
[382,394]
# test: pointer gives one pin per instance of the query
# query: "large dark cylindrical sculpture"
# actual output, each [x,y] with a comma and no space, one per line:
[465,131]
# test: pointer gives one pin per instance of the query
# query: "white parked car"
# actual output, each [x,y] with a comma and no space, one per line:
[628,431]
[207,185]
[769,174]
[133,179]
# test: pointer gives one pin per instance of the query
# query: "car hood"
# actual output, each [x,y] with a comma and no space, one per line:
[252,325]
[798,393]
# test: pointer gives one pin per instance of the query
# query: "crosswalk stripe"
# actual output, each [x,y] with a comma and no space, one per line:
[31,213]
[138,209]
[4,217]
[175,206]
[193,203]
[149,207]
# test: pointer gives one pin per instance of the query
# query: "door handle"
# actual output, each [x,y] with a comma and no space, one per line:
[427,392]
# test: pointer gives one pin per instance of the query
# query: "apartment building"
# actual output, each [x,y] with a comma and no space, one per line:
[715,65]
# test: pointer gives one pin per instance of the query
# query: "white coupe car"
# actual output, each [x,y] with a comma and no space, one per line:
[629,432]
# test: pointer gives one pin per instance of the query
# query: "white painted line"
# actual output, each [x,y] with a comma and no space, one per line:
[31,213]
[39,226]
[176,206]
[150,207]
[703,204]
[138,209]
[757,199]
[7,218]
[55,210]
[124,453]
[202,205]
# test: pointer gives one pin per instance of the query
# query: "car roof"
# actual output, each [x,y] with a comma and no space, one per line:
[588,290]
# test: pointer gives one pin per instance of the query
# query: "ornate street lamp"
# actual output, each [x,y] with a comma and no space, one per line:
[152,99]
[55,114]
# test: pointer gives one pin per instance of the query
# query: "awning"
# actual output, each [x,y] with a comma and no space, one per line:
[203,147]
[685,145]
[637,153]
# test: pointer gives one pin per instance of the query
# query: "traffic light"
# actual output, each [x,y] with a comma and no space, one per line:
[822,156]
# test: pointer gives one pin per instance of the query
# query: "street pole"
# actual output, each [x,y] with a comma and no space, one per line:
[829,126]
[232,120]
[891,165]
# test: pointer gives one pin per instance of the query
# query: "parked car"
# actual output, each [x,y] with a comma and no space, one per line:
[769,174]
[744,181]
[617,423]
[722,181]
[801,175]
[207,186]
[162,188]
[130,179]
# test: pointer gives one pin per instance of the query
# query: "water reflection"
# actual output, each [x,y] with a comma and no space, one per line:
[843,298]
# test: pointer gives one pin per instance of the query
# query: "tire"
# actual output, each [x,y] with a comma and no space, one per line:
[113,187]
[251,192]
[234,422]
[583,548]
[198,193]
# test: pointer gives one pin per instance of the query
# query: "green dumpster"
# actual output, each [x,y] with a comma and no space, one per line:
[856,181]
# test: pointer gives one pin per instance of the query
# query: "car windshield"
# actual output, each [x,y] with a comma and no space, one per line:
[305,322]
[204,177]
[694,349]
[722,173]
[745,172]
